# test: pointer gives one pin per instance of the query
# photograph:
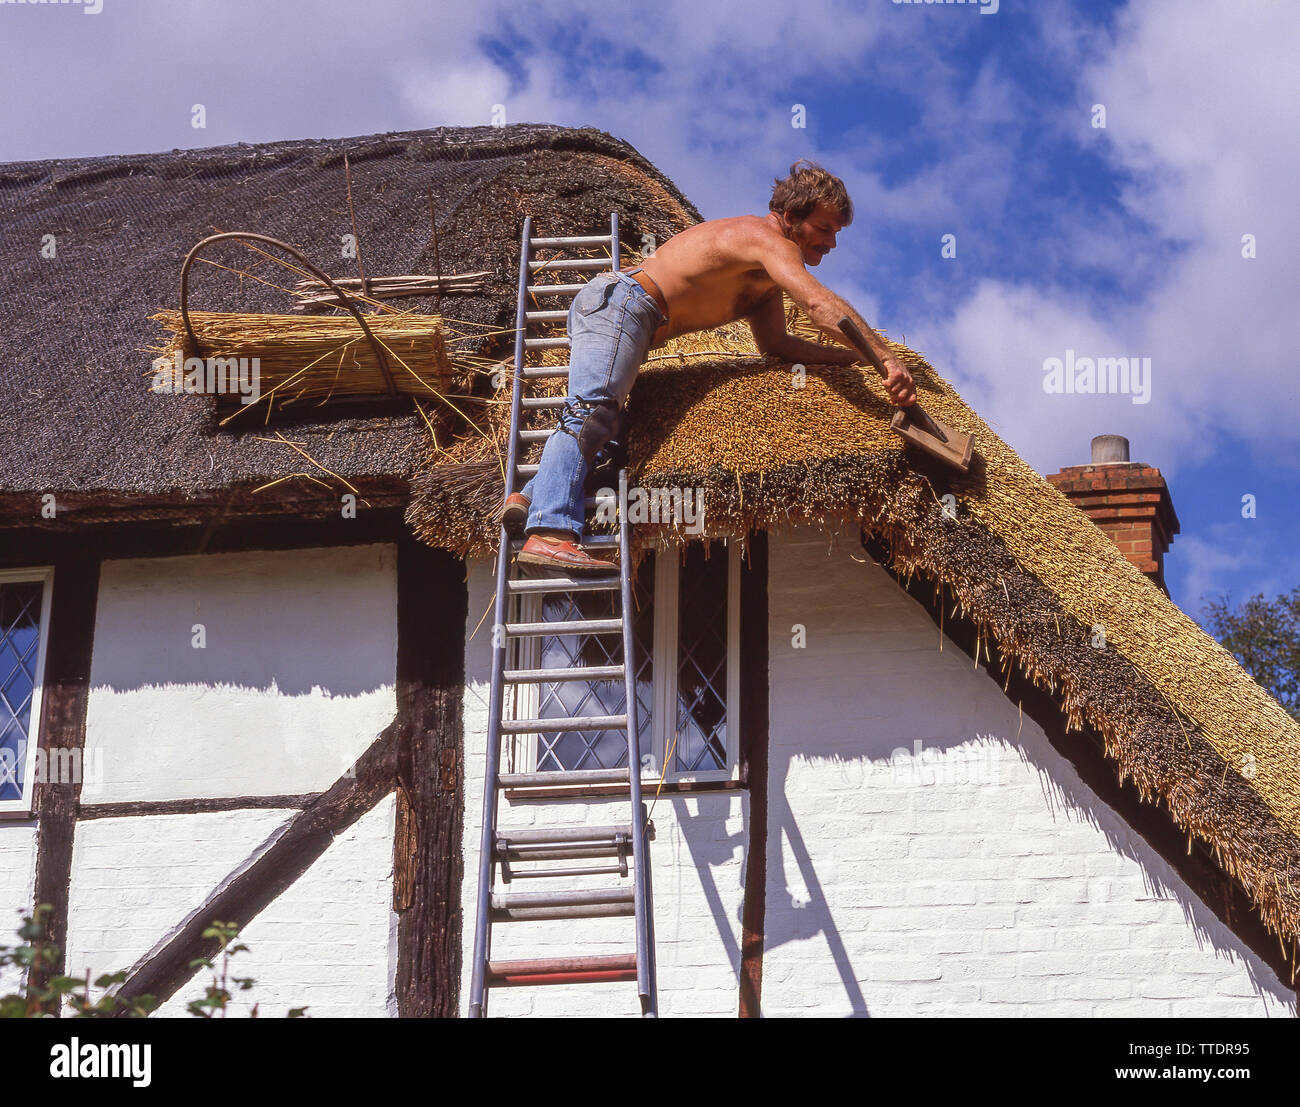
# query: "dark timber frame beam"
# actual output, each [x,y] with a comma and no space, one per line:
[753,767]
[420,754]
[63,727]
[428,865]
[166,968]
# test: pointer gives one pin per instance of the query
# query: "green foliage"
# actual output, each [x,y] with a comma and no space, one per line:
[37,957]
[46,990]
[1264,635]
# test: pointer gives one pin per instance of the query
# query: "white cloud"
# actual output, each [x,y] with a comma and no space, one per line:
[1207,567]
[1202,113]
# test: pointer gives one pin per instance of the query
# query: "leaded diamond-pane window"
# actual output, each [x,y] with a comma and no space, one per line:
[603,749]
[23,604]
[702,663]
[684,630]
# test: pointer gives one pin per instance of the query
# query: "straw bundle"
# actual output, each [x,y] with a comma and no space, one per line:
[321,357]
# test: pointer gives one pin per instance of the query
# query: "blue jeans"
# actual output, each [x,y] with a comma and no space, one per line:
[612,322]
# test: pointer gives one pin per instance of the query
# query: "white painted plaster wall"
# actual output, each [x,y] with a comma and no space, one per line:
[973,875]
[328,943]
[295,680]
[324,943]
[17,876]
[698,866]
[135,879]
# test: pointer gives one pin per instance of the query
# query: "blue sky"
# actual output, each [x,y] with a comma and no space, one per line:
[943,119]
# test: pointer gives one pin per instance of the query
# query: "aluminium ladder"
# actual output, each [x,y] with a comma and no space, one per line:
[500,850]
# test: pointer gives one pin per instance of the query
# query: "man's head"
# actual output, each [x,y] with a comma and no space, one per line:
[812,206]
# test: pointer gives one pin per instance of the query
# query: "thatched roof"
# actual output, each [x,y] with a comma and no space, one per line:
[76,418]
[1032,571]
[1177,713]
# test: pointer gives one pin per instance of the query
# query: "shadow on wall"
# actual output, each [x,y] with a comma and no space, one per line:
[882,751]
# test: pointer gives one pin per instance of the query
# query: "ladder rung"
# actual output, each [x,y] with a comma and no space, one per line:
[544,372]
[557,853]
[546,316]
[555,289]
[545,343]
[566,844]
[589,265]
[588,502]
[562,726]
[570,240]
[538,914]
[528,469]
[564,584]
[602,540]
[599,969]
[535,435]
[534,403]
[564,626]
[586,870]
[582,897]
[553,835]
[556,779]
[556,676]
[588,903]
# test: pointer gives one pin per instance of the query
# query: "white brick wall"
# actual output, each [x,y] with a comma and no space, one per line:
[698,871]
[324,943]
[329,942]
[296,678]
[17,874]
[929,852]
[975,874]
[135,879]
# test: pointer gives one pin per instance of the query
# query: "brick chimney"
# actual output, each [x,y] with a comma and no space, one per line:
[1128,500]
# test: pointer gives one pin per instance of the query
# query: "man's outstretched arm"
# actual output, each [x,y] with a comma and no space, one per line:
[767,321]
[784,265]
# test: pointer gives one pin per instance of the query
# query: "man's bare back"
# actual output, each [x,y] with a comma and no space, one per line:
[736,268]
[708,275]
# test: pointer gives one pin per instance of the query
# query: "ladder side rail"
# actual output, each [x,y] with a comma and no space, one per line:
[487,845]
[640,847]
[647,986]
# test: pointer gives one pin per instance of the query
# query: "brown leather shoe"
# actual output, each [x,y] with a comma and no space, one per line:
[557,553]
[513,513]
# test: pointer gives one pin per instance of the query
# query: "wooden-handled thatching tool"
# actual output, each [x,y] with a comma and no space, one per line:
[912,424]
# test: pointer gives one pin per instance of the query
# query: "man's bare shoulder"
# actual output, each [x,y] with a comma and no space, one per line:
[738,238]
[747,228]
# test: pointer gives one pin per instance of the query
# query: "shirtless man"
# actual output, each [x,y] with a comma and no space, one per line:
[709,274]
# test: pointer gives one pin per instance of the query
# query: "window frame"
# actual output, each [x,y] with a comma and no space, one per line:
[21,808]
[664,665]
[667,660]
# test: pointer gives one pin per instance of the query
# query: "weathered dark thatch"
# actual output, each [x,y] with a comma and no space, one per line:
[1036,576]
[76,418]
